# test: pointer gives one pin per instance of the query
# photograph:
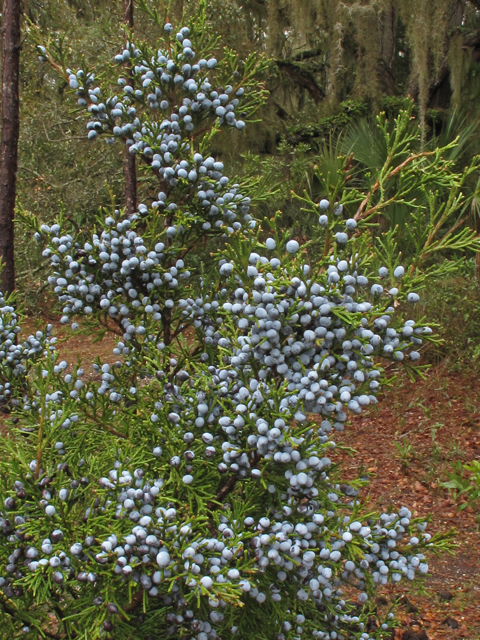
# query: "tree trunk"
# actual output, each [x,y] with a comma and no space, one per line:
[441,93]
[385,72]
[9,138]
[130,173]
[130,170]
[128,13]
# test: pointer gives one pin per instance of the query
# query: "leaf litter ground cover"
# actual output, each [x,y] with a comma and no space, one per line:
[405,448]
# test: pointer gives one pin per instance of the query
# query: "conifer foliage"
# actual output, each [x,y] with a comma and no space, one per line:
[186,488]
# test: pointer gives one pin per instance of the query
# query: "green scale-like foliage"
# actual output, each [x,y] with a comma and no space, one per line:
[187,489]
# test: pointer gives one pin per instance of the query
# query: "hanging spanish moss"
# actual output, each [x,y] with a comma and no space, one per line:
[331,51]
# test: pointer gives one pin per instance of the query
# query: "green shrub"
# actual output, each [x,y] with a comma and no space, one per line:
[187,489]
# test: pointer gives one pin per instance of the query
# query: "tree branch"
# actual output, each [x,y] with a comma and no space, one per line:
[229,486]
[360,214]
[301,77]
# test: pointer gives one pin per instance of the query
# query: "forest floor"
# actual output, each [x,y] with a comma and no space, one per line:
[406,445]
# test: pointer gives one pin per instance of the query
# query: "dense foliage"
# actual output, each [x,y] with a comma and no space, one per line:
[177,489]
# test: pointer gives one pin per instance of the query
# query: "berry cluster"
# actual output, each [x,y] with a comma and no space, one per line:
[16,357]
[192,480]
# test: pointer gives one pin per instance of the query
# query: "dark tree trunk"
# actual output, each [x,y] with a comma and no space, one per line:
[130,170]
[128,12]
[9,138]
[385,72]
[441,92]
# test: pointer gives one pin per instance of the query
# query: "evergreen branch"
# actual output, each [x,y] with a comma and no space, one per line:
[359,215]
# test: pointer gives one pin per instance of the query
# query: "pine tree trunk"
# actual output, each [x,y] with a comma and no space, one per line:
[9,138]
[130,170]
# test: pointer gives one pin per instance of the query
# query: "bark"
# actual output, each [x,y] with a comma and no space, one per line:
[385,71]
[441,91]
[130,173]
[128,12]
[9,138]
[130,169]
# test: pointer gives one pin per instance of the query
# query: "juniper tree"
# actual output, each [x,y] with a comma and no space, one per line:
[186,488]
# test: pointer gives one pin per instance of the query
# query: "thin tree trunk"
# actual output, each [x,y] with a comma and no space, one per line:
[9,138]
[128,12]
[130,170]
[130,173]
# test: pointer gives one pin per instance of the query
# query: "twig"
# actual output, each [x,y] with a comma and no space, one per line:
[360,211]
[105,426]
[229,486]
